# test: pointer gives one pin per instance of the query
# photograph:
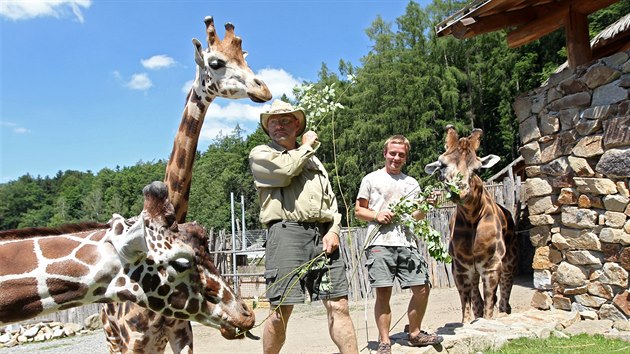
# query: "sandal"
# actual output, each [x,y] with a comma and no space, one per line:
[384,348]
[424,338]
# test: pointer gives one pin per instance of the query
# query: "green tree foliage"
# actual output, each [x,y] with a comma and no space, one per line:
[74,196]
[409,82]
[223,169]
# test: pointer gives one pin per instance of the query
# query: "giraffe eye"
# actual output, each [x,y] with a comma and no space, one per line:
[180,265]
[217,64]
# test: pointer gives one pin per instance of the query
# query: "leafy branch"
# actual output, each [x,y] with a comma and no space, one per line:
[317,102]
[321,261]
[424,202]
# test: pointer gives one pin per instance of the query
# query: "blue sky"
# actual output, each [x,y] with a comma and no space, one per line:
[92,84]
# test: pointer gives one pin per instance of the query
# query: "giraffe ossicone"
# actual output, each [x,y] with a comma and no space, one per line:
[482,243]
[158,265]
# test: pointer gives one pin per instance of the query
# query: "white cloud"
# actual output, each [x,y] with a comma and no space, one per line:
[212,129]
[279,82]
[235,112]
[139,82]
[28,9]
[14,127]
[222,118]
[158,62]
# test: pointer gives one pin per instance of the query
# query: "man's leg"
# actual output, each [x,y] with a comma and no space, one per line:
[417,307]
[274,333]
[383,313]
[340,325]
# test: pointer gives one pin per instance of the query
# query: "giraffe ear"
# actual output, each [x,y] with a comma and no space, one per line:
[432,167]
[451,138]
[198,52]
[475,138]
[489,161]
[132,245]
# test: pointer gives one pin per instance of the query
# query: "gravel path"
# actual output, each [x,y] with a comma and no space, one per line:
[92,343]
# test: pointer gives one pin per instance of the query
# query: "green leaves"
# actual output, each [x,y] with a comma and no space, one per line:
[317,102]
[425,202]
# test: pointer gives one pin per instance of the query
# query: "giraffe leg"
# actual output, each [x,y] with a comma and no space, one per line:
[464,287]
[490,278]
[113,335]
[180,336]
[507,280]
[476,299]
[508,264]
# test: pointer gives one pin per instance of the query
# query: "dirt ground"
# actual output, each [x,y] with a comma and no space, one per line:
[308,333]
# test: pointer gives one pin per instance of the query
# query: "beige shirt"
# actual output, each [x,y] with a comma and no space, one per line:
[293,185]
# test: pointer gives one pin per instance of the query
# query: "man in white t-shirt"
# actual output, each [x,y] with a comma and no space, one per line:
[392,251]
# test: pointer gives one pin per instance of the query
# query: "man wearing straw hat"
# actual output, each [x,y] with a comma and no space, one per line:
[392,251]
[300,210]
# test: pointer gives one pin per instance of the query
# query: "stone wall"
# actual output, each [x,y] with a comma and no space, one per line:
[575,136]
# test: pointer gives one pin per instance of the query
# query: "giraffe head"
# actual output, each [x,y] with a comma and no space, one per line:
[166,268]
[460,160]
[222,70]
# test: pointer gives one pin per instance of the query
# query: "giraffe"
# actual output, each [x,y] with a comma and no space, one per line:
[149,260]
[482,240]
[221,72]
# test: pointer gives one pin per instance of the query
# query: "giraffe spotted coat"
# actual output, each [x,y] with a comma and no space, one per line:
[149,260]
[482,241]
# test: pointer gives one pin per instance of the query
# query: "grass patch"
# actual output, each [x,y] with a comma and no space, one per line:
[581,344]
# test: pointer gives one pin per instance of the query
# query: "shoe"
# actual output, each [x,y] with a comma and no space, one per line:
[424,338]
[384,348]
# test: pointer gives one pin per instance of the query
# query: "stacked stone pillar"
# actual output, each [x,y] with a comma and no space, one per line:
[575,135]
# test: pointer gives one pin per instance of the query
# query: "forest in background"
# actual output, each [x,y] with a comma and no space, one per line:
[409,83]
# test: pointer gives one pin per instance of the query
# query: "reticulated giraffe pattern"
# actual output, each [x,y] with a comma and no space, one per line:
[148,260]
[482,240]
[221,71]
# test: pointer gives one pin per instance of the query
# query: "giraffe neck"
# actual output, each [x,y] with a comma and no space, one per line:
[473,206]
[46,274]
[178,176]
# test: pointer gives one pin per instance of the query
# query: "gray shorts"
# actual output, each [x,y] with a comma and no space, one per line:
[289,246]
[385,263]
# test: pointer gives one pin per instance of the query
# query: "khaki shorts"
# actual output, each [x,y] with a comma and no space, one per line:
[289,246]
[385,263]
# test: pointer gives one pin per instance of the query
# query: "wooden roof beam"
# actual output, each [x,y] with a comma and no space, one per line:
[587,7]
[468,27]
[475,22]
[540,27]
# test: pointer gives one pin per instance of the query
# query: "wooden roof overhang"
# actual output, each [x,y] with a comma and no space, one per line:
[528,20]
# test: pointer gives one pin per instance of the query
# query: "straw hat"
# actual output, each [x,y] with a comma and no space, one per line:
[282,108]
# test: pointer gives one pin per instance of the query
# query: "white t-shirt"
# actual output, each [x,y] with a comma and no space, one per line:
[381,190]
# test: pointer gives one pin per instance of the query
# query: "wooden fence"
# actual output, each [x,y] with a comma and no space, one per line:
[508,194]
[251,283]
